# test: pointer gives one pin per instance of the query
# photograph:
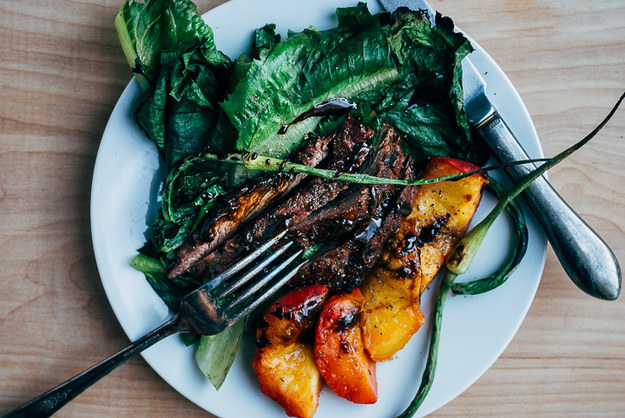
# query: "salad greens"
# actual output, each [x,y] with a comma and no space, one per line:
[173,54]
[402,70]
[397,69]
[147,29]
[216,353]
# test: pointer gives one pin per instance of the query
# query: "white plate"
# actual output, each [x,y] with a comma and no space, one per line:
[126,178]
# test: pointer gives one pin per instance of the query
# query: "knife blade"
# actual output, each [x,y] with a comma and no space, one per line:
[585,257]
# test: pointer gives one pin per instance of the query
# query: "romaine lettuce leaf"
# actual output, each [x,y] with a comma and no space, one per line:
[180,112]
[380,62]
[264,38]
[307,68]
[172,52]
[147,29]
[216,353]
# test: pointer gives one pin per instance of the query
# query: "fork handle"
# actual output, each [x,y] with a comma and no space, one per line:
[51,401]
[585,257]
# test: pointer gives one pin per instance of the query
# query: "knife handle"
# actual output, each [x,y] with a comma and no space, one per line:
[585,257]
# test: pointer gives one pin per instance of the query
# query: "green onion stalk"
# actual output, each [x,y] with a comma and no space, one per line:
[430,365]
[520,239]
[254,162]
[465,250]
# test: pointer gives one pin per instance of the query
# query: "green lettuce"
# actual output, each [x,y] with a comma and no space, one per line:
[216,353]
[180,112]
[307,68]
[387,65]
[173,55]
[147,29]
[184,76]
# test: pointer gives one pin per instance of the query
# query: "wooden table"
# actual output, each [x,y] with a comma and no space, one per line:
[61,72]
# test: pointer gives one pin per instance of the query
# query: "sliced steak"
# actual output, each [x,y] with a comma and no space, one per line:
[345,267]
[234,209]
[359,203]
[348,149]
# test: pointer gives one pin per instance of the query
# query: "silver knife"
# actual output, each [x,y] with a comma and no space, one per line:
[585,257]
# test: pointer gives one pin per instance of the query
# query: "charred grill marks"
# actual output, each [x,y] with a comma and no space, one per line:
[348,149]
[346,266]
[238,207]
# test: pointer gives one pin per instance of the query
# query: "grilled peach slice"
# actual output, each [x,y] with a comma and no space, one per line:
[440,215]
[391,312]
[339,351]
[284,361]
[444,212]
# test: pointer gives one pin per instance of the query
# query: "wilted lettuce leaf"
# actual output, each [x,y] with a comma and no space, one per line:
[147,29]
[188,194]
[354,18]
[180,113]
[380,62]
[307,68]
[184,77]
[171,48]
[426,105]
[264,38]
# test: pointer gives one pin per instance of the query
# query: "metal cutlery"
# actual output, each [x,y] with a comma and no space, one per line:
[208,310]
[585,257]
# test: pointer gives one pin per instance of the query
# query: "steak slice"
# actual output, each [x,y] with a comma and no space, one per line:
[348,150]
[346,266]
[359,203]
[235,208]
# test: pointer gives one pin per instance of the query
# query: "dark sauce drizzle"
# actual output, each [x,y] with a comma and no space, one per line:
[338,106]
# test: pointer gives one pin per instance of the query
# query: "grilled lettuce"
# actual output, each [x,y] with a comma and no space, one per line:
[148,28]
[401,69]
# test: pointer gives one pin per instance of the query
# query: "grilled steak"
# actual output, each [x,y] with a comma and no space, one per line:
[345,267]
[348,147]
[358,203]
[236,208]
[359,220]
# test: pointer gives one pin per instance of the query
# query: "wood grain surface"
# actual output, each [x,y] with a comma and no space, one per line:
[61,72]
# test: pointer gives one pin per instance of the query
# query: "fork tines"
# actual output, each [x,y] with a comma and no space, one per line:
[237,295]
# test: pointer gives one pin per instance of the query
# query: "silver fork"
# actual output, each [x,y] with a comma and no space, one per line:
[212,308]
